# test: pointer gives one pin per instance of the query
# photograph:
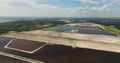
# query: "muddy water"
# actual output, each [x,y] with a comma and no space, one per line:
[4,59]
[65,54]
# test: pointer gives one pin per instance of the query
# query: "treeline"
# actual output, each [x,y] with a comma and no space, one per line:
[26,25]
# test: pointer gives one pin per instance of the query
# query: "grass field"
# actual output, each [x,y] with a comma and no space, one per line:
[112,29]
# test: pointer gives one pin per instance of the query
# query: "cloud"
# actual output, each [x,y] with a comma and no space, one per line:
[89,1]
[32,3]
[93,8]
[86,10]
[104,0]
[106,6]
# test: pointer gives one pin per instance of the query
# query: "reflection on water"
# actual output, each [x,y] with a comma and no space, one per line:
[85,30]
[65,29]
[94,30]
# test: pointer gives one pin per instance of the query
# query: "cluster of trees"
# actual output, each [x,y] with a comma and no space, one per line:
[26,25]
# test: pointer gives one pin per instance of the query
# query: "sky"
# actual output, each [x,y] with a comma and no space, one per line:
[60,8]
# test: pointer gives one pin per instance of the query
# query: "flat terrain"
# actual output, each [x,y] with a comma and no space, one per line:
[91,46]
[62,54]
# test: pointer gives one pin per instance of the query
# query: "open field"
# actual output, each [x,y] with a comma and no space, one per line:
[112,29]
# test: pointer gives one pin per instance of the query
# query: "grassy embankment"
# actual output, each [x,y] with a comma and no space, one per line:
[112,29]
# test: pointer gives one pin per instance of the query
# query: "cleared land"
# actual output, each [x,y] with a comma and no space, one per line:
[70,48]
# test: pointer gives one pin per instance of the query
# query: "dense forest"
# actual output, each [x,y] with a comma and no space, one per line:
[26,25]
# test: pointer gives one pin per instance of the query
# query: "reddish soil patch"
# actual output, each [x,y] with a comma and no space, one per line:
[25,45]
